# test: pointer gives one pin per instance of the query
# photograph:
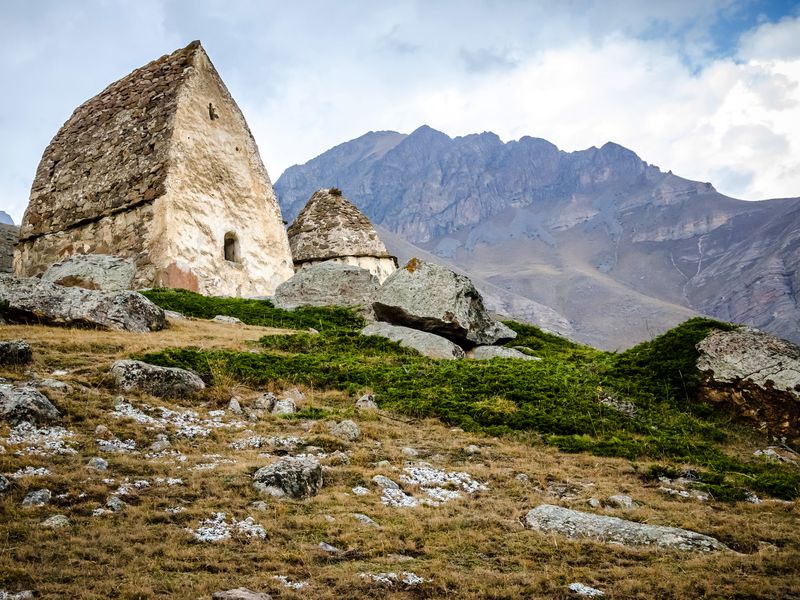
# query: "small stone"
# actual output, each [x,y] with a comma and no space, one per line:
[339,458]
[365,520]
[103,432]
[161,443]
[37,498]
[234,406]
[325,547]
[97,463]
[367,402]
[115,504]
[385,483]
[290,476]
[225,319]
[259,505]
[4,484]
[584,590]
[472,449]
[383,464]
[56,522]
[329,519]
[294,394]
[174,315]
[360,490]
[15,352]
[594,503]
[347,430]
[409,452]
[522,478]
[622,501]
[240,594]
[265,401]
[752,498]
[285,406]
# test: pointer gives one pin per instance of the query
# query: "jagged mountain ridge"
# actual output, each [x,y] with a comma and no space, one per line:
[620,248]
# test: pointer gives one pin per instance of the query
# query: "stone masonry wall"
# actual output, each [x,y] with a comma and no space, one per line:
[111,153]
[217,185]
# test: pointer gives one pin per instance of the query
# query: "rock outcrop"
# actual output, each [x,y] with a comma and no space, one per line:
[167,382]
[93,272]
[8,237]
[432,298]
[26,404]
[30,300]
[753,376]
[574,524]
[330,228]
[490,352]
[327,284]
[427,344]
[294,477]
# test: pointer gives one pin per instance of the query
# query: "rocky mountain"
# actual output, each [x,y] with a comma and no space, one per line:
[5,218]
[619,248]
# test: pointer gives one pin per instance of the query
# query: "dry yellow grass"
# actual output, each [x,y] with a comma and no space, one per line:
[474,547]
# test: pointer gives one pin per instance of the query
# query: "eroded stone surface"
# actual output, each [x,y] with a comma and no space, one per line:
[427,344]
[290,476]
[159,381]
[574,524]
[755,376]
[327,284]
[32,300]
[93,272]
[432,298]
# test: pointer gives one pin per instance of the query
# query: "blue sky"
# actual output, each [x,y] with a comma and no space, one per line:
[709,89]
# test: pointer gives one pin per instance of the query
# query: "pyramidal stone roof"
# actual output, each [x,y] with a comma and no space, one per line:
[329,226]
[112,153]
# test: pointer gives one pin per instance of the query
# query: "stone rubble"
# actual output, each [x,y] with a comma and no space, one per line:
[580,589]
[392,579]
[40,441]
[292,585]
[217,528]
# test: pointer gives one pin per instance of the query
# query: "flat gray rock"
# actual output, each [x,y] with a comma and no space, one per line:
[490,352]
[240,594]
[290,476]
[167,382]
[15,352]
[93,272]
[327,284]
[347,430]
[30,300]
[574,524]
[26,404]
[432,298]
[427,344]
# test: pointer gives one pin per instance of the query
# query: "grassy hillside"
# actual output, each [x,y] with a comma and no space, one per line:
[567,398]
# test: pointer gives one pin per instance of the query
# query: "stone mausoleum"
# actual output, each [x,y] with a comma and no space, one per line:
[161,168]
[331,228]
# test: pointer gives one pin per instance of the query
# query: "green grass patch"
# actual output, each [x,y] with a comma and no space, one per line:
[558,397]
[255,312]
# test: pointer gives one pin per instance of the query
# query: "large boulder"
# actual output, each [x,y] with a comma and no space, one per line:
[25,404]
[754,376]
[295,477]
[327,284]
[427,344]
[432,298]
[93,272]
[166,382]
[31,300]
[575,524]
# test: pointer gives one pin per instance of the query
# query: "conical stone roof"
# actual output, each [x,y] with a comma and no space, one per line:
[331,227]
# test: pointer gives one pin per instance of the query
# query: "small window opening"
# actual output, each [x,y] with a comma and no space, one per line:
[212,112]
[232,248]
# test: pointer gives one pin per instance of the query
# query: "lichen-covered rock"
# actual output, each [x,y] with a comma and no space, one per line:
[327,284]
[490,352]
[240,594]
[132,375]
[93,272]
[31,300]
[367,402]
[432,298]
[347,430]
[25,404]
[427,344]
[755,376]
[291,476]
[574,524]
[15,352]
[37,498]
